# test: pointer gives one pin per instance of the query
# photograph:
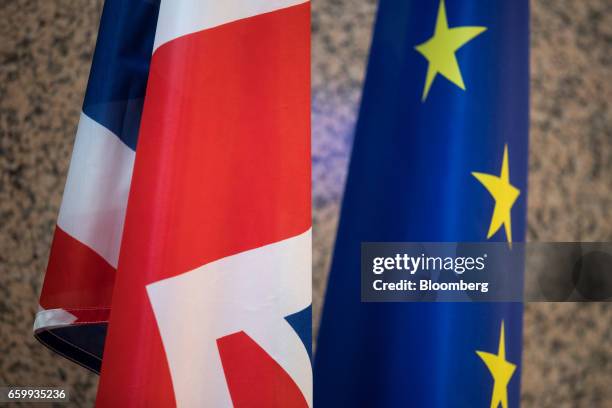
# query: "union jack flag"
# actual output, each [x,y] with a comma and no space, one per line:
[183,244]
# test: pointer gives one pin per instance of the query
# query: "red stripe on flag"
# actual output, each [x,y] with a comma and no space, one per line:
[223,163]
[76,277]
[223,166]
[254,378]
[89,316]
[135,371]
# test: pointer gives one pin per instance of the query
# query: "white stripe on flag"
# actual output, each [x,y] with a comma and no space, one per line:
[252,292]
[181,17]
[53,318]
[97,187]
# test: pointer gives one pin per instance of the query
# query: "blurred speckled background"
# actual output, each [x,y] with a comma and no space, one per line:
[45,51]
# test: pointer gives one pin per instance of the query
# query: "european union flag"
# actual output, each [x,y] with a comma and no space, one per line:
[440,155]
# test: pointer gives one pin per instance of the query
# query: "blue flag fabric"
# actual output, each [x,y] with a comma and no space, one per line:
[440,155]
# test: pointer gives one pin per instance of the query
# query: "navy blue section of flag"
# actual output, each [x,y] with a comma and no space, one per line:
[301,322]
[120,67]
[440,154]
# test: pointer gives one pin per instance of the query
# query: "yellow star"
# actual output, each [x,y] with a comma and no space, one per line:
[440,50]
[504,194]
[501,371]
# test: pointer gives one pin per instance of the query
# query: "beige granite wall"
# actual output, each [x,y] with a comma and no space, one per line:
[45,51]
